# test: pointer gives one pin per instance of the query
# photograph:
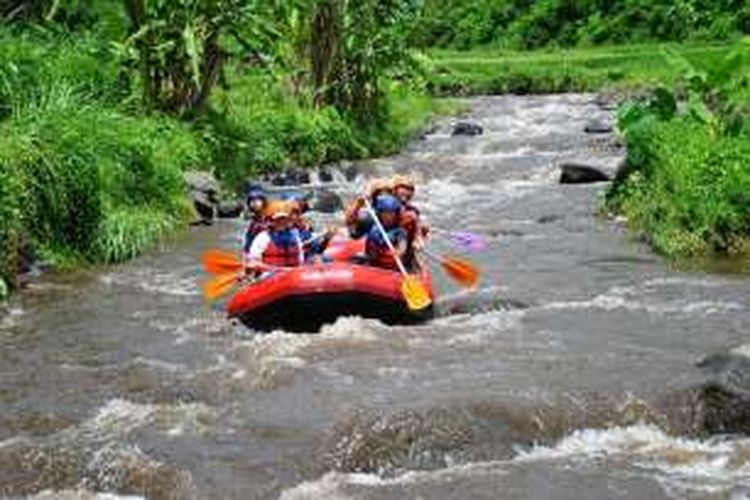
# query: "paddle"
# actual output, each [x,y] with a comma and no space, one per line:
[469,241]
[221,262]
[461,270]
[220,285]
[412,289]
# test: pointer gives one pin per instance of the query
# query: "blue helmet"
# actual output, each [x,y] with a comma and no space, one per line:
[387,203]
[255,192]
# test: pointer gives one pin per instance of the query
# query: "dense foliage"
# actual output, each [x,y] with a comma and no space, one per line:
[686,187]
[105,103]
[528,24]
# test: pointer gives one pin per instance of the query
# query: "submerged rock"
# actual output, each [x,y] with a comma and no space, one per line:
[575,173]
[598,127]
[725,394]
[467,128]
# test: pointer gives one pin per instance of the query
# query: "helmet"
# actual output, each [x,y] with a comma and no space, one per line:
[387,203]
[255,191]
[279,209]
[299,200]
[377,186]
[398,181]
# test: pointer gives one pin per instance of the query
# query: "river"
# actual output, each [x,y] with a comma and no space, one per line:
[567,375]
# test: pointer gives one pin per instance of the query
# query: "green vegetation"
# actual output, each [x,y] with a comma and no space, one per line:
[105,103]
[686,188]
[495,71]
[527,24]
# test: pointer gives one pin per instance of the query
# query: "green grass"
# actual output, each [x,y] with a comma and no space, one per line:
[259,126]
[493,71]
[86,176]
[688,189]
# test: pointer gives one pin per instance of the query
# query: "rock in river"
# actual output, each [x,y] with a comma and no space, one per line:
[327,202]
[598,127]
[467,128]
[725,393]
[575,173]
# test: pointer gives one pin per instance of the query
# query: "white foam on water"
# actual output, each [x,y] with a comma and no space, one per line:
[707,465]
[480,328]
[268,358]
[119,417]
[11,317]
[631,299]
[151,281]
[681,465]
[742,350]
[682,281]
[81,494]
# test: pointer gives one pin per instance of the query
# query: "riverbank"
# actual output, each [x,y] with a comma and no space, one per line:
[88,175]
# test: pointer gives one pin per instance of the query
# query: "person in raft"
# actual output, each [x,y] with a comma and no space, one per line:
[356,216]
[410,219]
[379,254]
[282,244]
[256,201]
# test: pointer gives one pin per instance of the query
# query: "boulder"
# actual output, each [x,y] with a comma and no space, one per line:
[291,177]
[327,202]
[725,393]
[467,128]
[351,172]
[229,209]
[598,127]
[325,175]
[204,191]
[204,205]
[573,173]
[203,182]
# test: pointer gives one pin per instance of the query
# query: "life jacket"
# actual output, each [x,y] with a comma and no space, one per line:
[377,250]
[255,227]
[409,220]
[283,250]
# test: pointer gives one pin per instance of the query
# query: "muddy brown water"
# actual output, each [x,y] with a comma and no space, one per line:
[562,377]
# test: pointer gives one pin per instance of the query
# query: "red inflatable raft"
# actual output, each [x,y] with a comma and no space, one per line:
[307,297]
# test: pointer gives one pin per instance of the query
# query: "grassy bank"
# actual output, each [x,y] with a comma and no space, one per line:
[686,188]
[86,175]
[495,71]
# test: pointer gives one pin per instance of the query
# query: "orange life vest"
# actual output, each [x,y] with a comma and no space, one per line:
[282,251]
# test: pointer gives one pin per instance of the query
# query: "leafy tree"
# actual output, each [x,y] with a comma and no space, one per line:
[181,47]
[352,46]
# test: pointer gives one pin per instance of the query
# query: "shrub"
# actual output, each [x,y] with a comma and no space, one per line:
[688,191]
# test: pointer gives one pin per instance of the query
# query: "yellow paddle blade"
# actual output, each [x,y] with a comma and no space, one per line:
[221,261]
[415,294]
[461,270]
[220,286]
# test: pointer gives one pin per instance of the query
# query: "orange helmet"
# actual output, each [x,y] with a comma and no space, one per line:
[378,186]
[279,209]
[406,181]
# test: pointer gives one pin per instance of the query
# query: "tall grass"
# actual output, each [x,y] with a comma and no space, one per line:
[81,174]
[688,192]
